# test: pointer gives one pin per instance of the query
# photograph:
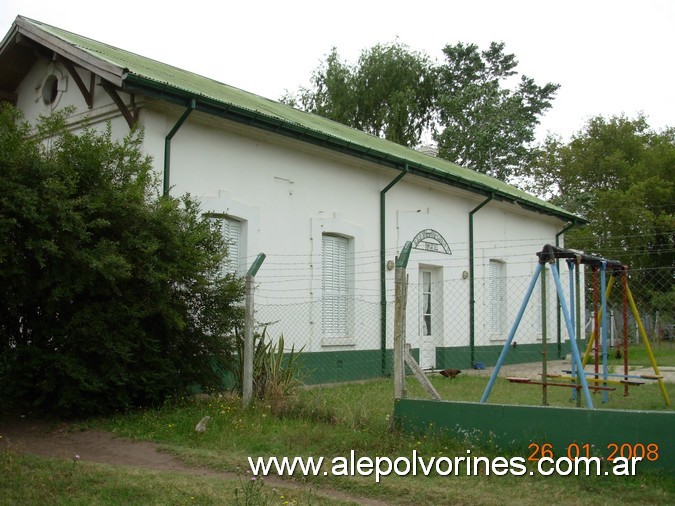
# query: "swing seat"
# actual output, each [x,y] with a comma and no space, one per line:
[614,379]
[519,380]
[529,381]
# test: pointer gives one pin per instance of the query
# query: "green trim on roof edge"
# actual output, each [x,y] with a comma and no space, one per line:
[252,118]
[178,86]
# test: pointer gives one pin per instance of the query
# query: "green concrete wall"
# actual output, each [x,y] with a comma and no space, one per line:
[338,366]
[518,426]
[354,365]
[459,357]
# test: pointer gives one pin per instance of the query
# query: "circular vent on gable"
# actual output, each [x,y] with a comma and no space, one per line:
[50,89]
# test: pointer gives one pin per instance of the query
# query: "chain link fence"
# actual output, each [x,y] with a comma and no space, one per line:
[653,291]
[452,321]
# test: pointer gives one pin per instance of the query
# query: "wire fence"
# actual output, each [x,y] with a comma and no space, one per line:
[654,293]
[454,320]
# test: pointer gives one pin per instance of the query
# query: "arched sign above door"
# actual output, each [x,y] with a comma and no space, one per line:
[430,240]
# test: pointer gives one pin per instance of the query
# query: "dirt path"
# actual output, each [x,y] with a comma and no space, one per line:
[37,438]
[61,442]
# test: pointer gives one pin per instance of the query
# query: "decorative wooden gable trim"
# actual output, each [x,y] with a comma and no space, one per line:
[87,93]
[131,115]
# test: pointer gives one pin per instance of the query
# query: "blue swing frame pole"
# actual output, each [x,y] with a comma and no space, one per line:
[571,332]
[505,349]
[570,266]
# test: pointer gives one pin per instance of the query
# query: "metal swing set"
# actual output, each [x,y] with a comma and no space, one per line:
[578,379]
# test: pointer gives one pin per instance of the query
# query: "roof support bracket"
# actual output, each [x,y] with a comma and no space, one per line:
[88,94]
[130,115]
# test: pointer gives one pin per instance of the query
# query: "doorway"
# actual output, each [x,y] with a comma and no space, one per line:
[430,314]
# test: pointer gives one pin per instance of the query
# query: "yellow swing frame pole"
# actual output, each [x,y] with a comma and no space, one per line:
[633,307]
[643,334]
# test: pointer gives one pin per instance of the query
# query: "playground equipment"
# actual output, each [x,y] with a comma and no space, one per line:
[579,378]
[626,379]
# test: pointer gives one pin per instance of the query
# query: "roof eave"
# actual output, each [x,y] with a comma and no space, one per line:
[128,80]
[136,83]
[106,70]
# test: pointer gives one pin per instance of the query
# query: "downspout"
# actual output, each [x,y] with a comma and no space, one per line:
[383,270]
[167,146]
[472,279]
[558,316]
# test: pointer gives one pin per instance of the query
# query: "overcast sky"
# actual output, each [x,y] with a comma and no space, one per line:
[609,56]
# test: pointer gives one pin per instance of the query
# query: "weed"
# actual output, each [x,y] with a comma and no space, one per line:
[252,492]
[276,372]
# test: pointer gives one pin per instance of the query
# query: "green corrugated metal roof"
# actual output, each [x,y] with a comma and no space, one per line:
[166,77]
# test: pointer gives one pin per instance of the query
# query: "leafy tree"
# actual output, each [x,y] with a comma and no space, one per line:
[388,93]
[464,103]
[483,124]
[332,94]
[110,296]
[618,173]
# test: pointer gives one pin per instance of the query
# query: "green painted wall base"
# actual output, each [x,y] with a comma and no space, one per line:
[459,357]
[518,426]
[338,366]
[354,365]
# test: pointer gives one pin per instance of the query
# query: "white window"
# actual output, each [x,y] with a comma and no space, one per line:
[232,233]
[425,312]
[334,286]
[497,298]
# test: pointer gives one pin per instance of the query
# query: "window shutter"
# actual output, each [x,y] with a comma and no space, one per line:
[334,286]
[231,232]
[232,235]
[496,297]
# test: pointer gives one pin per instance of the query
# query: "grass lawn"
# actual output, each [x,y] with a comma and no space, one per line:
[664,352]
[471,388]
[327,421]
[29,480]
[332,420]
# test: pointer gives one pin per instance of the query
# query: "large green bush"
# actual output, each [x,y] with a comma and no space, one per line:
[109,294]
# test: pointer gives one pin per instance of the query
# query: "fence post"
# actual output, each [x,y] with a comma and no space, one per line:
[249,323]
[399,321]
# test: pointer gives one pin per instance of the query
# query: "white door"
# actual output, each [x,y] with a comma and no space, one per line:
[428,303]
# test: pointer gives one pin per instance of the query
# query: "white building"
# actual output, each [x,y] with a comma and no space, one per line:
[330,206]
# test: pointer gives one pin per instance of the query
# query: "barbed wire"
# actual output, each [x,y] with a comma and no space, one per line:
[457,247]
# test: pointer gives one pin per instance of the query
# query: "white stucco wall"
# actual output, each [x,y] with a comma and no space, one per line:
[290,193]
[287,194]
